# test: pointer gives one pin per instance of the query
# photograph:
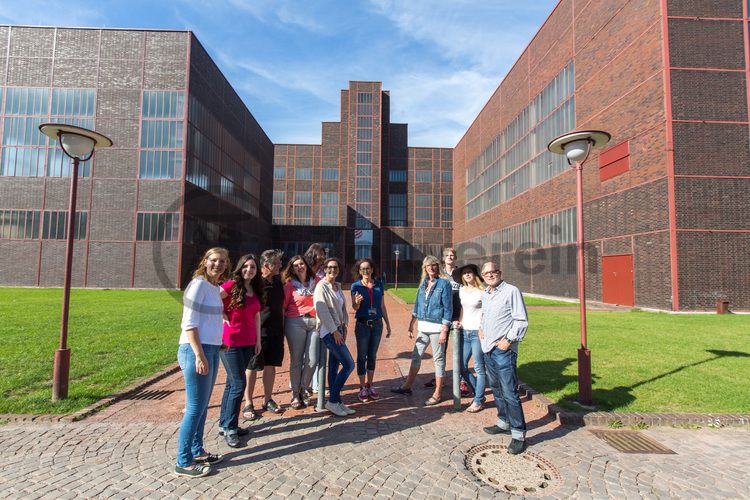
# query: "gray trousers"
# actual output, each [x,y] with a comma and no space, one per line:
[438,352]
[303,339]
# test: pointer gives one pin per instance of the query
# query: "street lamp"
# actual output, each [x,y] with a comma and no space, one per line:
[79,144]
[397,253]
[576,147]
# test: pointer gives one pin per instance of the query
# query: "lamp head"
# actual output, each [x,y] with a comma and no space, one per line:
[576,146]
[76,142]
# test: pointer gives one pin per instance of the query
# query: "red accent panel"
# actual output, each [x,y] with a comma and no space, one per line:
[614,161]
[617,280]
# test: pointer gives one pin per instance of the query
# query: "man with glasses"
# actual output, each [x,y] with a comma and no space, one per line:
[504,324]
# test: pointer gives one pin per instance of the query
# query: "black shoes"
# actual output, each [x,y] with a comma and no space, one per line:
[494,429]
[240,431]
[516,446]
[232,439]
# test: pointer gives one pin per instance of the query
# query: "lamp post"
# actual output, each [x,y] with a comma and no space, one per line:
[79,144]
[397,253]
[576,147]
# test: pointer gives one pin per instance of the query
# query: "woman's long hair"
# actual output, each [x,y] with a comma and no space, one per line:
[238,291]
[355,269]
[430,259]
[288,273]
[201,271]
[476,282]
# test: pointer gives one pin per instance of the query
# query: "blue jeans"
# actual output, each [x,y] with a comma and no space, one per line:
[501,368]
[338,354]
[368,341]
[472,348]
[198,390]
[235,361]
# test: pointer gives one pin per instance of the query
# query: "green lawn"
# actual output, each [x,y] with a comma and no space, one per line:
[116,338]
[408,293]
[642,362]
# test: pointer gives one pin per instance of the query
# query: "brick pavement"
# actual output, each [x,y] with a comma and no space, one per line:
[393,448]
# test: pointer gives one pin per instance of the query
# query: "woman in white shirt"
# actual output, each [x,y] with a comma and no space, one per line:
[198,356]
[471,316]
[330,309]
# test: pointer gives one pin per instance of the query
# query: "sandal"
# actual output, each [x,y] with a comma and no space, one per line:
[296,404]
[474,407]
[432,401]
[273,407]
[249,412]
[401,390]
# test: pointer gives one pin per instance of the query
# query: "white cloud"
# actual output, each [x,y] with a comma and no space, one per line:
[282,12]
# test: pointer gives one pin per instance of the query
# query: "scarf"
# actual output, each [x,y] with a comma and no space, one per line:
[302,289]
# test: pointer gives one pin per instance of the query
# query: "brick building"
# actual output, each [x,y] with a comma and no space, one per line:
[363,191]
[666,215]
[184,173]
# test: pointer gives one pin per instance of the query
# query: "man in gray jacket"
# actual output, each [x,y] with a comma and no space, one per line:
[504,323]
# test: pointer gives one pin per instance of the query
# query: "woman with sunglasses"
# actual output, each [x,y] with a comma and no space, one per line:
[470,294]
[330,307]
[369,306]
[433,309]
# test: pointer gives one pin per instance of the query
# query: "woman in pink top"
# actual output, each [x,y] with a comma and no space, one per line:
[243,297]
[300,326]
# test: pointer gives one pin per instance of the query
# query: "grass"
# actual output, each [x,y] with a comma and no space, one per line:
[408,293]
[641,361]
[116,338]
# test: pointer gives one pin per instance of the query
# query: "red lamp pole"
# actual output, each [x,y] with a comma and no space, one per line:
[61,370]
[584,354]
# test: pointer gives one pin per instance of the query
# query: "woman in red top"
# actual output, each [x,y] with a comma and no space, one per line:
[300,326]
[243,298]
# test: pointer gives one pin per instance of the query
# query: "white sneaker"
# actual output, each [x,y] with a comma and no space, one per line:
[336,409]
[348,410]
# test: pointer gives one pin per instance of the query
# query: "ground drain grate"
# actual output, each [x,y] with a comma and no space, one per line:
[525,474]
[631,442]
[150,395]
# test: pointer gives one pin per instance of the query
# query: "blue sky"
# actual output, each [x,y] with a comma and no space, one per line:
[440,59]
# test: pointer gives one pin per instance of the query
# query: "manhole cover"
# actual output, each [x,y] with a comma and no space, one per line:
[631,442]
[525,474]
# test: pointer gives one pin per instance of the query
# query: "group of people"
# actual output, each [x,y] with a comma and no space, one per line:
[242,318]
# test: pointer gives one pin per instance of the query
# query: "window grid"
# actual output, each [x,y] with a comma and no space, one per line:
[161,135]
[329,209]
[364,194]
[516,159]
[55,225]
[153,226]
[19,224]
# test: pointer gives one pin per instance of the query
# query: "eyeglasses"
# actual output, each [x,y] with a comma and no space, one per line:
[491,272]
[365,269]
[332,268]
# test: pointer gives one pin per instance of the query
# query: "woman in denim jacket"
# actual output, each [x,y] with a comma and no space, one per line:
[432,312]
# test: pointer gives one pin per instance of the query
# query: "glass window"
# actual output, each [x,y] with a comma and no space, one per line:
[397,216]
[73,102]
[303,198]
[19,224]
[423,200]
[423,175]
[303,173]
[329,174]
[364,121]
[423,214]
[446,176]
[397,175]
[26,101]
[279,172]
[157,226]
[362,251]
[363,196]
[160,164]
[161,104]
[161,134]
[55,224]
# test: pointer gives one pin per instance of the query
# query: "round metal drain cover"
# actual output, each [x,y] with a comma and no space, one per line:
[525,474]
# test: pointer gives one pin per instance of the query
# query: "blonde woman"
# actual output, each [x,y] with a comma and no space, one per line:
[198,355]
[432,312]
[470,294]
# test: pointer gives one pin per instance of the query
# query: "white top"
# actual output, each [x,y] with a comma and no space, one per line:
[471,307]
[339,303]
[428,326]
[202,309]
